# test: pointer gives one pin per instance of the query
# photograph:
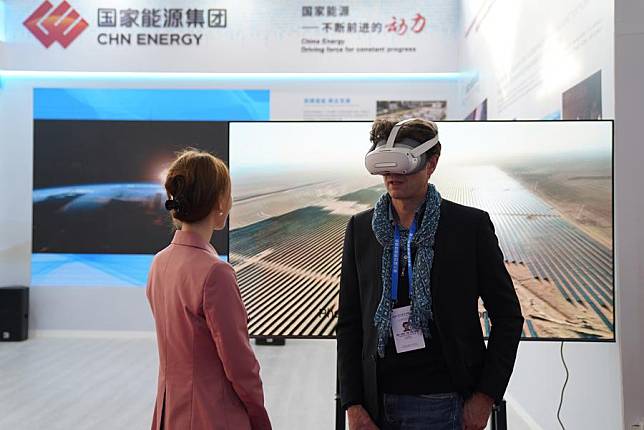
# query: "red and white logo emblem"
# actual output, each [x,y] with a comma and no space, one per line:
[62,24]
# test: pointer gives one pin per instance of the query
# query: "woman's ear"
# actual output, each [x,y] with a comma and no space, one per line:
[214,212]
[220,205]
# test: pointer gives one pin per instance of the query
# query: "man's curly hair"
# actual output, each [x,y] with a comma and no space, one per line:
[419,130]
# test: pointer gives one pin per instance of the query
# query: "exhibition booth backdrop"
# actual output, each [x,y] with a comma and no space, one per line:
[481,73]
[473,59]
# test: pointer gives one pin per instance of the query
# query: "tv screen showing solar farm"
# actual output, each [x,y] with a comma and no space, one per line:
[547,185]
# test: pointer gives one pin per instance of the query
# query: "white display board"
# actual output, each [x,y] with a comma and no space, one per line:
[537,60]
[247,36]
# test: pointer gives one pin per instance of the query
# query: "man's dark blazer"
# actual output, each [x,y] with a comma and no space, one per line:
[468,264]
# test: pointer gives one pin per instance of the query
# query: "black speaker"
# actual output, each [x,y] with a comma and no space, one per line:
[14,313]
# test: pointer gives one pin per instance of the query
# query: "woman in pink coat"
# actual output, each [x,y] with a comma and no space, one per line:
[208,373]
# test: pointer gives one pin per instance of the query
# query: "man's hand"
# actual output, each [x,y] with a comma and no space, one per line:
[359,419]
[476,412]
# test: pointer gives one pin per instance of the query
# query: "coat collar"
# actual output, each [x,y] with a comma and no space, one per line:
[186,238]
[439,251]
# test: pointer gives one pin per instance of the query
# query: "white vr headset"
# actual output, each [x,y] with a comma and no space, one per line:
[403,159]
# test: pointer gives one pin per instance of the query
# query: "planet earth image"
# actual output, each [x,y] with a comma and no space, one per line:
[116,218]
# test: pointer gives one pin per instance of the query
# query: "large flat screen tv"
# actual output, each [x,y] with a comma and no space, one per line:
[547,185]
[99,161]
[98,198]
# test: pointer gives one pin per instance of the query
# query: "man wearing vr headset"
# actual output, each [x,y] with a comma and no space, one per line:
[411,353]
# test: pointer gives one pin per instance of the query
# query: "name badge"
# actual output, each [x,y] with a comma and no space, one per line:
[405,337]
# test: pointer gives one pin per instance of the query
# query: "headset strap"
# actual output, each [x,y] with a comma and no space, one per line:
[424,147]
[394,132]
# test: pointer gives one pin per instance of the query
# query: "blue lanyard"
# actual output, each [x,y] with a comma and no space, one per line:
[396,260]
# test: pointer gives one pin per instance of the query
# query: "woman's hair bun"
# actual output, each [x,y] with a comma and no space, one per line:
[195,183]
[171,204]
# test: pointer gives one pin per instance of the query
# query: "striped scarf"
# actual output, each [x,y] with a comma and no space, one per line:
[420,294]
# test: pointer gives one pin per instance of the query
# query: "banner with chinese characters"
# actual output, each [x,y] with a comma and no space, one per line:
[224,36]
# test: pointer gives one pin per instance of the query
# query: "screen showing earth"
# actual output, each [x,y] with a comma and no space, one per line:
[98,185]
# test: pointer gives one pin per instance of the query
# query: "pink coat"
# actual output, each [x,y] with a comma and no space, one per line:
[208,373]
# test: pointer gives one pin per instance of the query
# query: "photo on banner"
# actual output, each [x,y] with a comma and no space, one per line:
[547,186]
[100,161]
[398,110]
[584,100]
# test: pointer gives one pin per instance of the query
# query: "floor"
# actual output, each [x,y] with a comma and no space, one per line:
[73,381]
[109,383]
